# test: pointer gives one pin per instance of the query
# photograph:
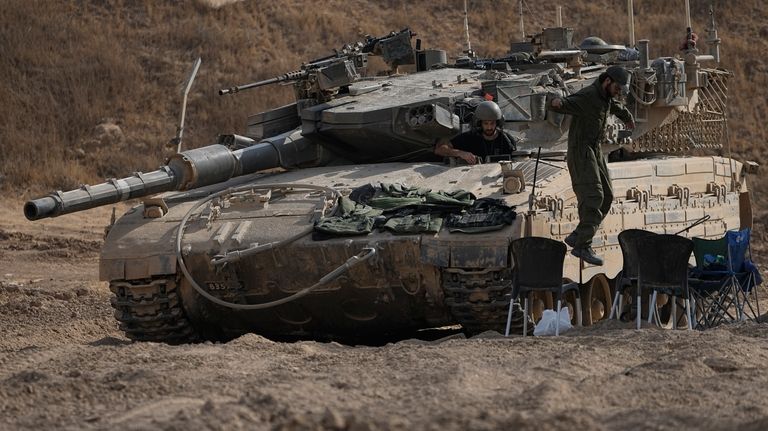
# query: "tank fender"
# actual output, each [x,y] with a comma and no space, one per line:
[134,269]
[481,252]
[479,256]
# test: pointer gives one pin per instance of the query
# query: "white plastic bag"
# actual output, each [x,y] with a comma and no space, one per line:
[546,325]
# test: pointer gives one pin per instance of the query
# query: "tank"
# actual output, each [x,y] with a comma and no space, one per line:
[272,230]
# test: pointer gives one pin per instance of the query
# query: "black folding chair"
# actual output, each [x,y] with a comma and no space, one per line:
[539,267]
[663,268]
[628,275]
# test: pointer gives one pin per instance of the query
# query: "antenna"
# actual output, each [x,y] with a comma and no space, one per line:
[532,196]
[522,24]
[631,19]
[712,40]
[559,22]
[688,14]
[180,131]
[466,30]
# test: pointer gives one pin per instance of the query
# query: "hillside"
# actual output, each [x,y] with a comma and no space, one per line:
[73,66]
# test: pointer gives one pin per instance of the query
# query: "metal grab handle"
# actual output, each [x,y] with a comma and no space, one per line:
[696,223]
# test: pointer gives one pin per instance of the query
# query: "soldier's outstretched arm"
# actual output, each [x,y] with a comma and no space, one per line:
[575,104]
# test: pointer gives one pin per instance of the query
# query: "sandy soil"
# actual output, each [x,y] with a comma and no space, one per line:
[65,365]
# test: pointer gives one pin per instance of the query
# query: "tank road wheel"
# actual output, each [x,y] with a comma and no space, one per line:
[538,302]
[150,310]
[664,304]
[596,299]
[626,309]
[569,301]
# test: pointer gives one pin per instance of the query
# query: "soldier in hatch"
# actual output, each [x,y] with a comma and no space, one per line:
[589,174]
[486,139]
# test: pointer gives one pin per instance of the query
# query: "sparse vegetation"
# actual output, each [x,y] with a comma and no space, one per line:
[72,66]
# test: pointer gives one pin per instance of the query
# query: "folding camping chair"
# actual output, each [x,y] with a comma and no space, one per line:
[724,278]
[539,267]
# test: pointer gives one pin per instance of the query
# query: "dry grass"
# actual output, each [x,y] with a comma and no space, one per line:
[70,66]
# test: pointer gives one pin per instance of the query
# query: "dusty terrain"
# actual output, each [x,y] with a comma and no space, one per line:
[65,365]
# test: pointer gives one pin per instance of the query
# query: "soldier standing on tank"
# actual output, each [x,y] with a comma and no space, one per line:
[487,138]
[589,174]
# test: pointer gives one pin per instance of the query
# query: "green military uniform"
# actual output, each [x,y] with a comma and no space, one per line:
[589,174]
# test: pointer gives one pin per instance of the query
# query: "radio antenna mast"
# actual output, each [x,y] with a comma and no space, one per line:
[631,19]
[175,143]
[466,30]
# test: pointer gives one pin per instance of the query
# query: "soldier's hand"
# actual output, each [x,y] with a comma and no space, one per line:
[468,157]
[556,103]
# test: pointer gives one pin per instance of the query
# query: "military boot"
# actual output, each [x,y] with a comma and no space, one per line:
[588,255]
[570,240]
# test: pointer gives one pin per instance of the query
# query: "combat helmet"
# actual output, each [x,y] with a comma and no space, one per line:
[488,111]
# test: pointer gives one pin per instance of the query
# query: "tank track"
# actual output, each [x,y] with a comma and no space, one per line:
[150,310]
[479,301]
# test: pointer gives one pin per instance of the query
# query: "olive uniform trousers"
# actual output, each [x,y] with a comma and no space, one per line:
[594,203]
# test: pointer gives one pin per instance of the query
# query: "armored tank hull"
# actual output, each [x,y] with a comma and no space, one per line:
[412,282]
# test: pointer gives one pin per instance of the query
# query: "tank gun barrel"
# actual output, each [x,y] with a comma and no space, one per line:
[186,170]
[290,76]
[112,191]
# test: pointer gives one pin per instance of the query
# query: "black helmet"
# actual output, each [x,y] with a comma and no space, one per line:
[620,76]
[488,111]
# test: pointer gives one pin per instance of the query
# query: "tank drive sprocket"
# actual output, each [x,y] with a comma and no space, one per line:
[150,310]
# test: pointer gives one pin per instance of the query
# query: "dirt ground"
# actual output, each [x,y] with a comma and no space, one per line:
[65,365]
